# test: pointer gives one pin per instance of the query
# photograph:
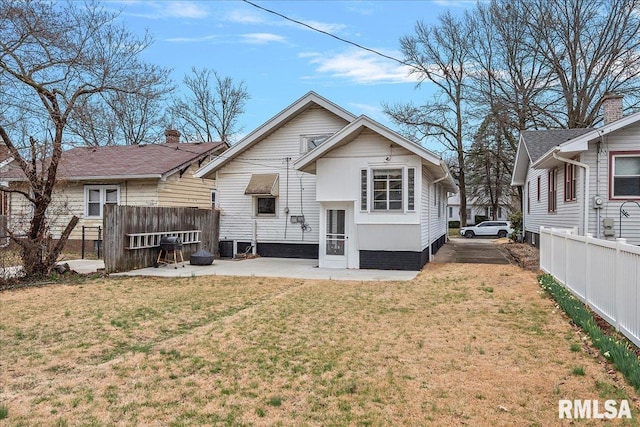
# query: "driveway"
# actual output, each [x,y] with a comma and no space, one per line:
[472,251]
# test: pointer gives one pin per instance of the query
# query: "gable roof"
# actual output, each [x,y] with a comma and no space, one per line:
[539,142]
[126,161]
[271,125]
[430,160]
[534,144]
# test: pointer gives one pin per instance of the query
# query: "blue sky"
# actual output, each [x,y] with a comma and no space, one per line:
[280,61]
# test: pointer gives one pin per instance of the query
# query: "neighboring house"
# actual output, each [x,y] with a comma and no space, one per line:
[133,175]
[475,208]
[317,182]
[583,178]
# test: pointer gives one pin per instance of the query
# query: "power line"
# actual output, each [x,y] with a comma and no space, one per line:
[329,34]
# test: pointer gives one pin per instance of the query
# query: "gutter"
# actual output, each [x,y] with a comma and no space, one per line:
[585,226]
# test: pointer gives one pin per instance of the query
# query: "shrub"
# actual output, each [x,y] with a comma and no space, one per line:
[454,224]
[516,223]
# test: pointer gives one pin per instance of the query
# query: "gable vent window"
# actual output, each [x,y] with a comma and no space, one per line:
[309,142]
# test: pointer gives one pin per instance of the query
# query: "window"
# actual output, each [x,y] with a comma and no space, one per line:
[450,212]
[500,212]
[214,199]
[309,142]
[552,190]
[539,186]
[387,189]
[265,206]
[95,196]
[4,202]
[363,189]
[625,175]
[411,180]
[529,194]
[569,182]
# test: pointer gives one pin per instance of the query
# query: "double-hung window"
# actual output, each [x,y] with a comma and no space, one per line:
[625,175]
[96,196]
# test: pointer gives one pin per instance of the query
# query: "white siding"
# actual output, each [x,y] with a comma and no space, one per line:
[624,140]
[434,214]
[339,179]
[570,214]
[297,192]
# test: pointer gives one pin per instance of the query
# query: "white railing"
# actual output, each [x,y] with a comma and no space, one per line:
[152,240]
[604,274]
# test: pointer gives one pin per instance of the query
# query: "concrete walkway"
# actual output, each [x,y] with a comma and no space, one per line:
[472,251]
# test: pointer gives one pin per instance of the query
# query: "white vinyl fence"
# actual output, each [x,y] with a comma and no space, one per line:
[604,274]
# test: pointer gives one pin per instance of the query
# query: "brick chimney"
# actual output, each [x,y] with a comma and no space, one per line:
[172,136]
[611,108]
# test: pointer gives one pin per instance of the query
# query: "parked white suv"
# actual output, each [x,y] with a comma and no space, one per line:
[488,228]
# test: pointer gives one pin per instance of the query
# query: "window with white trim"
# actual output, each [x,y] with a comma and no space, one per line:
[387,189]
[625,175]
[364,178]
[96,196]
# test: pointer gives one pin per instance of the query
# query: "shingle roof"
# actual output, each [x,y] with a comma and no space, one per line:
[126,160]
[539,142]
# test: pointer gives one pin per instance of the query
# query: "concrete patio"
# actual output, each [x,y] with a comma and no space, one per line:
[257,267]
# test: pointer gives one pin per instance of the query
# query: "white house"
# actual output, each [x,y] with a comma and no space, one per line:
[587,179]
[317,182]
[476,208]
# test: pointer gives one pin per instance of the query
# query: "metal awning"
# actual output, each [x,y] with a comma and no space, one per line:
[263,184]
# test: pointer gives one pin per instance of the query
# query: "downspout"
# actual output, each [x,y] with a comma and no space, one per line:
[446,175]
[585,227]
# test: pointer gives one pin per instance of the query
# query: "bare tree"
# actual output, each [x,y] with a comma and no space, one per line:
[122,117]
[211,109]
[54,56]
[439,56]
[592,48]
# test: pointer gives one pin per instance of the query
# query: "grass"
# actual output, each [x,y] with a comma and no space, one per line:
[460,344]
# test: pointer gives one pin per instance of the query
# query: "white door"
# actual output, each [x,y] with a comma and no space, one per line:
[336,239]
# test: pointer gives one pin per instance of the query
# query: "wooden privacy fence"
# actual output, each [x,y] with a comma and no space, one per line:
[132,233]
[604,274]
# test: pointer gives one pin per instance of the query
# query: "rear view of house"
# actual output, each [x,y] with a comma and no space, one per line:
[317,182]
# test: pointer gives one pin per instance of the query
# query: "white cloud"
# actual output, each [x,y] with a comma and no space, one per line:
[168,9]
[244,16]
[191,39]
[362,67]
[262,38]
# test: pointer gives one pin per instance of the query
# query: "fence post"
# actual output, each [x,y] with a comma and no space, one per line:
[617,279]
[587,275]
